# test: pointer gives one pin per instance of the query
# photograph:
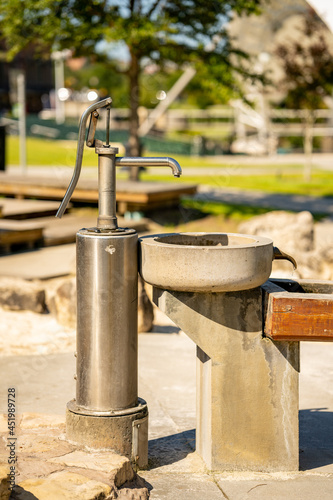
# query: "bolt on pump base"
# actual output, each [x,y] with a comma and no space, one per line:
[107,413]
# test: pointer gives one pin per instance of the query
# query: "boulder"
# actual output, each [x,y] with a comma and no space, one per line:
[294,234]
[18,295]
[61,301]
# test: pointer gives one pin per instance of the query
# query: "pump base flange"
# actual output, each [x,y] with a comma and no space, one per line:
[125,434]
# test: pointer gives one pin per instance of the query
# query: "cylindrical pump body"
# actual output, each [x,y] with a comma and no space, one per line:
[107,284]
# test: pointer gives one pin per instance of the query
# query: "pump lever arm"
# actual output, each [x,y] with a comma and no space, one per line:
[79,153]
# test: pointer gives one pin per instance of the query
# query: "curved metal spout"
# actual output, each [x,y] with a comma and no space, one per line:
[138,161]
[278,255]
[79,153]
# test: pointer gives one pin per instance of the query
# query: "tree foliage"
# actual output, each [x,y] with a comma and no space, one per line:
[307,63]
[153,31]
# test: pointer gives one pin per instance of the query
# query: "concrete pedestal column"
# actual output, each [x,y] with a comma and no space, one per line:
[247,385]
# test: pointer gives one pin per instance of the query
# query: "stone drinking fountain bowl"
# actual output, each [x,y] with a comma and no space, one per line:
[207,262]
[209,285]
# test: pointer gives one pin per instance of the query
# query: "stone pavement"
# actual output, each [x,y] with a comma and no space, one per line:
[167,381]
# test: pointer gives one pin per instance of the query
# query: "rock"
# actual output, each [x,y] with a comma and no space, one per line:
[63,485]
[4,491]
[61,301]
[17,295]
[292,233]
[117,467]
[145,309]
[297,235]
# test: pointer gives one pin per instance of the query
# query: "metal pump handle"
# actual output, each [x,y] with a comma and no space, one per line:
[79,153]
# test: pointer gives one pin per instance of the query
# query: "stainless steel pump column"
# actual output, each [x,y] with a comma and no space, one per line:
[107,412]
[107,283]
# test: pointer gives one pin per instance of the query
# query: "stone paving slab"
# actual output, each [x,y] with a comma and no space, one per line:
[182,486]
[294,488]
[44,263]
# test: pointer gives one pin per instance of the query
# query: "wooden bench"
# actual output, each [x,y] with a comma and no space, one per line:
[20,234]
[297,310]
[131,196]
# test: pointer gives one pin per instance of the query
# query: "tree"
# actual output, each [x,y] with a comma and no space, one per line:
[152,31]
[307,63]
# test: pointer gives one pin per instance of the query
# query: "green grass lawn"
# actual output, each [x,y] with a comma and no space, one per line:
[288,180]
[321,184]
[47,152]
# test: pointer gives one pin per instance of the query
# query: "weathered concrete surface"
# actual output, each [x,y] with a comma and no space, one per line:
[247,386]
[278,488]
[115,433]
[167,373]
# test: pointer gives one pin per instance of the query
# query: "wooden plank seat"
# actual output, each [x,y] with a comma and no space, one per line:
[297,310]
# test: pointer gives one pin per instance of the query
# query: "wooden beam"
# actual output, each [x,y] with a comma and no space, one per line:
[298,315]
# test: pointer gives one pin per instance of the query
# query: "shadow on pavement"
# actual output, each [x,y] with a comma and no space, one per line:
[165,329]
[315,438]
[170,449]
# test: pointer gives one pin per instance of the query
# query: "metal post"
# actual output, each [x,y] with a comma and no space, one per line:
[22,119]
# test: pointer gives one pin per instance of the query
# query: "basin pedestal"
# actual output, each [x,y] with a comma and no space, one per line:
[247,385]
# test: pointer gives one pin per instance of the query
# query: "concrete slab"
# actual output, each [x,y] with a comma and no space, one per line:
[295,488]
[44,384]
[27,209]
[182,487]
[43,263]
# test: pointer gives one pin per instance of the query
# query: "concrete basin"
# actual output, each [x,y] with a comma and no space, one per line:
[205,262]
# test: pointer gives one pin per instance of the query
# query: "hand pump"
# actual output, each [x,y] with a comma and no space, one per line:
[107,412]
